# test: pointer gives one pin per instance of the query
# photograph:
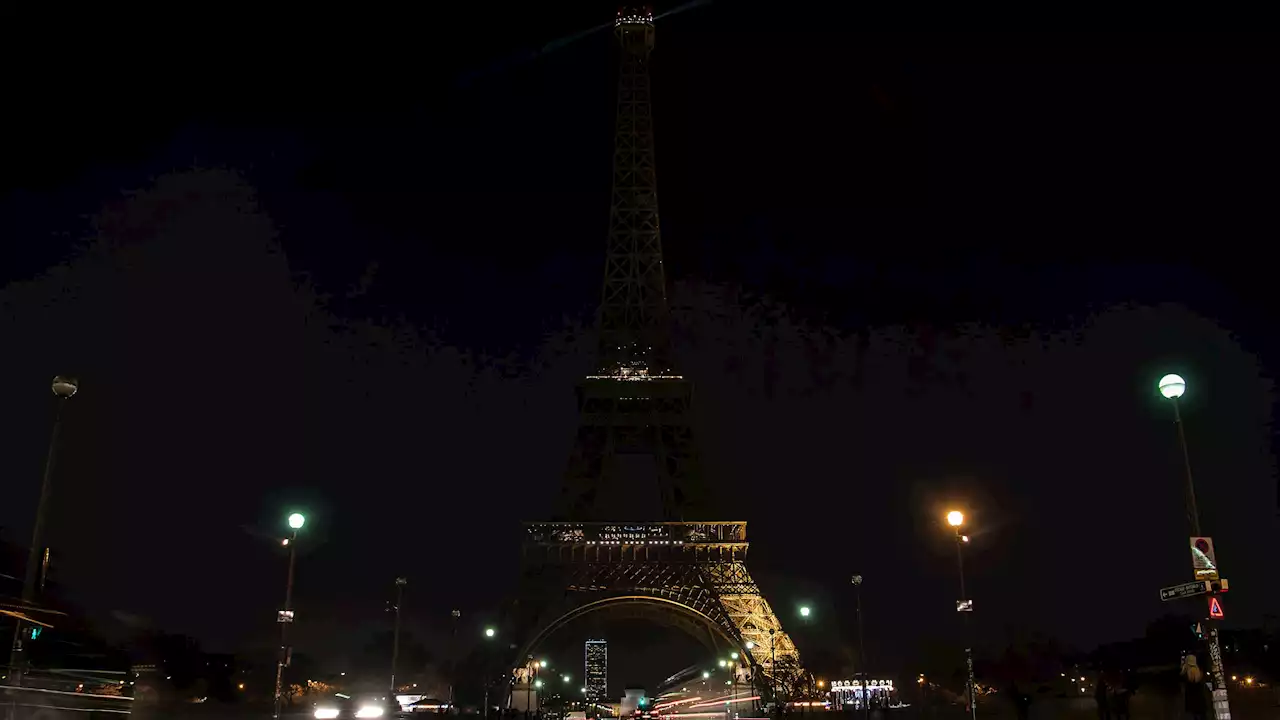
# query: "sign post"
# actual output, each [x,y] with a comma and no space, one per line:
[1203,562]
[1191,589]
[1204,565]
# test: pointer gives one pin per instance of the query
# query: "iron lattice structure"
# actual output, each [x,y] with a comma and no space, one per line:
[690,574]
[635,402]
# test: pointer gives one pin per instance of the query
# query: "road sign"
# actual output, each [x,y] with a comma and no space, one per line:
[1203,561]
[1199,587]
[284,616]
[964,606]
[1215,608]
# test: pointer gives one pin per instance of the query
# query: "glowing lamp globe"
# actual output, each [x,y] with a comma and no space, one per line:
[1172,386]
[296,521]
[64,387]
[955,518]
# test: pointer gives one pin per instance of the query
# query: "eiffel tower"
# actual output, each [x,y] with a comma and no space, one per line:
[681,571]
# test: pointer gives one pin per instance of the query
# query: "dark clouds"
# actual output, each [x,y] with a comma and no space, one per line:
[220,387]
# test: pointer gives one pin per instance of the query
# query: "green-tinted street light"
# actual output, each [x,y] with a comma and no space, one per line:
[490,632]
[296,521]
[804,611]
[1172,386]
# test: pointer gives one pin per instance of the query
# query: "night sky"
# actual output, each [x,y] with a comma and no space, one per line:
[353,271]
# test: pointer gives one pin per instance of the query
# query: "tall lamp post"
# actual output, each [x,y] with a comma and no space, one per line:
[285,616]
[63,387]
[395,638]
[862,647]
[805,612]
[453,655]
[955,519]
[773,671]
[1173,387]
[489,634]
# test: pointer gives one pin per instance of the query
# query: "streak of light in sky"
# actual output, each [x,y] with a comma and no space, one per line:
[562,41]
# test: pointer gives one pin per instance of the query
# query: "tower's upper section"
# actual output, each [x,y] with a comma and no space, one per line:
[634,28]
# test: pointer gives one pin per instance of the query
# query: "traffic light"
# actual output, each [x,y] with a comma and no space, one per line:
[1197,630]
[35,631]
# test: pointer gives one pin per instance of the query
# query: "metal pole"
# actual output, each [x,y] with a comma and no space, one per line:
[453,656]
[284,626]
[395,640]
[773,671]
[488,677]
[862,649]
[1193,511]
[1221,703]
[968,649]
[16,650]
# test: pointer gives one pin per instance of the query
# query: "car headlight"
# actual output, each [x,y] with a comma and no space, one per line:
[325,713]
[369,711]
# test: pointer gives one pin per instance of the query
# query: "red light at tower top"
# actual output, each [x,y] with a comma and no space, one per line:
[634,15]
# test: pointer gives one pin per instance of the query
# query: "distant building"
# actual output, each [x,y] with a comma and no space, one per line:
[597,671]
[633,701]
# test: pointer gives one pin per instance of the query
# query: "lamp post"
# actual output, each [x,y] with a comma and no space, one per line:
[489,633]
[285,616]
[955,519]
[453,655]
[733,687]
[1173,387]
[773,670]
[395,638]
[63,387]
[862,647]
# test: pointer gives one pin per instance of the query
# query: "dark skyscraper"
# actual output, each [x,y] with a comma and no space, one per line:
[597,670]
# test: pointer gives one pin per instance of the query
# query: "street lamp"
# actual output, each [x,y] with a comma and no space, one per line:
[1173,387]
[395,641]
[63,387]
[453,654]
[955,519]
[773,671]
[488,634]
[804,611]
[862,648]
[285,616]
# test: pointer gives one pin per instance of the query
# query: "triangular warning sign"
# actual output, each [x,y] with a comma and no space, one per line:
[1215,608]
